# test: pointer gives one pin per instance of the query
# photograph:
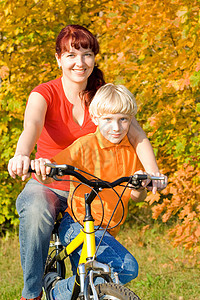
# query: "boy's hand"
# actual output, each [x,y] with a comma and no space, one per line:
[40,169]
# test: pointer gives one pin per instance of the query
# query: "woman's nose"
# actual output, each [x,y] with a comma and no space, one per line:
[79,60]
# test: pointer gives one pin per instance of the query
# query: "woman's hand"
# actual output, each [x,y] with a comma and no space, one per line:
[157,185]
[18,166]
[41,170]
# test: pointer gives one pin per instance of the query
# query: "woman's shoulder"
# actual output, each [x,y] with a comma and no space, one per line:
[49,85]
[50,90]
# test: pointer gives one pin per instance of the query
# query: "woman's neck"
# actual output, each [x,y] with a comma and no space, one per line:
[72,93]
[72,90]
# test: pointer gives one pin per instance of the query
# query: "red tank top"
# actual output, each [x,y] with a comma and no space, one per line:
[60,130]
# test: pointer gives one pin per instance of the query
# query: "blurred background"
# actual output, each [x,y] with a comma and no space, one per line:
[150,46]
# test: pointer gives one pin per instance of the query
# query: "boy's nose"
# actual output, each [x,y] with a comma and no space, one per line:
[116,126]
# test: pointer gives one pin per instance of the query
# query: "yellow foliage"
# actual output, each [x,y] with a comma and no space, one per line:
[149,46]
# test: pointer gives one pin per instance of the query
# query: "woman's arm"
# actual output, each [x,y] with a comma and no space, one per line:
[144,150]
[33,124]
[140,142]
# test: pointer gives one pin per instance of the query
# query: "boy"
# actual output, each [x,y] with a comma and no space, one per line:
[108,155]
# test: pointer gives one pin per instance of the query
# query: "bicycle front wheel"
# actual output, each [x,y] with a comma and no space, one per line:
[113,291]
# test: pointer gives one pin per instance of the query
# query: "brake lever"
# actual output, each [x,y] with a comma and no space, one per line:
[61,167]
[59,170]
[138,178]
[136,183]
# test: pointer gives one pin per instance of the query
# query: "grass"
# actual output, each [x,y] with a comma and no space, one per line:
[11,273]
[165,272]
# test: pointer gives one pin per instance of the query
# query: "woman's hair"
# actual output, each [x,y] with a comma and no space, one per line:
[113,99]
[78,36]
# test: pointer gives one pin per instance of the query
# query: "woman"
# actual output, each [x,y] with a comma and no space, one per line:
[55,116]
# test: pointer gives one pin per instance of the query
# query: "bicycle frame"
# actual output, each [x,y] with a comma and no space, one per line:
[88,267]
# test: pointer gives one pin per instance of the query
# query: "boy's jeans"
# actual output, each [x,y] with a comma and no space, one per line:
[37,207]
[110,252]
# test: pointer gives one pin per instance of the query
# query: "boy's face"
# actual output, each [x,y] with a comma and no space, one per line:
[113,127]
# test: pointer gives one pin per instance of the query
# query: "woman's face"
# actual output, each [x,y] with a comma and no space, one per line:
[77,64]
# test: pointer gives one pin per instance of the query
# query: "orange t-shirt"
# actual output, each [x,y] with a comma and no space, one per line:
[60,130]
[95,154]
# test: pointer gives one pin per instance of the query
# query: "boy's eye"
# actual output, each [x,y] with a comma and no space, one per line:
[106,119]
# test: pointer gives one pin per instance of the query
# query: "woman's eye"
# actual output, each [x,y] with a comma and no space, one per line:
[66,55]
[89,54]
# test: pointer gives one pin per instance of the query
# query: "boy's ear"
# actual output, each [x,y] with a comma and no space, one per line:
[95,120]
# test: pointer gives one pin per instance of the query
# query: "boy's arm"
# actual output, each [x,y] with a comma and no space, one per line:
[70,155]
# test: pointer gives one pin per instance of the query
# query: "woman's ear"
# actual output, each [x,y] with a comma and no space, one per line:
[58,60]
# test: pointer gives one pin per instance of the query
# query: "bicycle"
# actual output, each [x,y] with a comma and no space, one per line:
[89,268]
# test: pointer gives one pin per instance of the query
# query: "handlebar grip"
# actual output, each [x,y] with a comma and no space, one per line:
[140,176]
[52,173]
[30,170]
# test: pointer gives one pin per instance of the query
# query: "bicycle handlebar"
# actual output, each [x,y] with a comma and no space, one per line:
[64,169]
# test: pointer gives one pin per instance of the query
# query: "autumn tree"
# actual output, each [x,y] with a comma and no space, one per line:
[150,46]
[153,48]
[28,31]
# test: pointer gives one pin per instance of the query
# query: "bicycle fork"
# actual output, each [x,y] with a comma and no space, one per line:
[87,277]
[88,267]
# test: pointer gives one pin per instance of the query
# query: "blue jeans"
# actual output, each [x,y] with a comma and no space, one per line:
[37,207]
[110,252]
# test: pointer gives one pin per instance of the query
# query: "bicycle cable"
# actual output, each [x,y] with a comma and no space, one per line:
[99,226]
[109,186]
[71,200]
[97,248]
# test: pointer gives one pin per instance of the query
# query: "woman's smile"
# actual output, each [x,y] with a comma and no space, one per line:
[77,64]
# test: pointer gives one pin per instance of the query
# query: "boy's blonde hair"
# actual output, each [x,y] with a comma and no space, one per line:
[113,99]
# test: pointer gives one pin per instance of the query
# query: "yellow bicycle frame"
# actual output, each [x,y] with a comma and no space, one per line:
[87,257]
[85,237]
